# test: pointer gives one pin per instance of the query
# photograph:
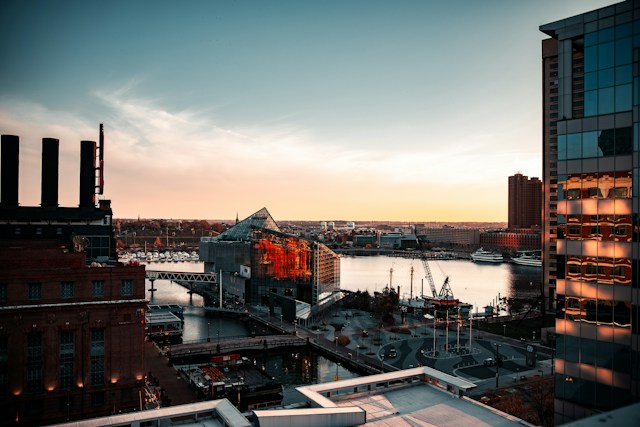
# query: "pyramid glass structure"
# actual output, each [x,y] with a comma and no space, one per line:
[242,230]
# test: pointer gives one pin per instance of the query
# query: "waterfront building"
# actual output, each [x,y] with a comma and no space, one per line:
[591,175]
[449,235]
[511,240]
[257,259]
[525,201]
[71,317]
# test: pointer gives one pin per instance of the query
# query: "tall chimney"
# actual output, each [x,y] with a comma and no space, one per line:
[87,174]
[50,156]
[9,165]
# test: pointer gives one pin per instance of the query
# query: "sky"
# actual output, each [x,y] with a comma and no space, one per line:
[317,110]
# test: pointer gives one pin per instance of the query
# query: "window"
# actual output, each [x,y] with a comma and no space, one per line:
[66,290]
[35,291]
[66,359]
[97,288]
[34,363]
[3,293]
[573,230]
[618,193]
[127,287]
[97,357]
[620,230]
[4,364]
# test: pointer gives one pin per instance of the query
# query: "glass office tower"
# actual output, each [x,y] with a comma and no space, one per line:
[591,68]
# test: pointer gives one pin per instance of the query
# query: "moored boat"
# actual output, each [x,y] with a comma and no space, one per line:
[529,259]
[482,255]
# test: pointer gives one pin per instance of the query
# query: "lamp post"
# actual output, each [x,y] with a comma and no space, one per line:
[497,363]
[504,330]
[281,321]
[208,329]
[382,363]
[357,351]
[541,397]
[435,316]
[335,340]
[421,357]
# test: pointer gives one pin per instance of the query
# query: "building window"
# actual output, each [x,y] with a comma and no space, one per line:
[97,398]
[67,349]
[4,364]
[66,290]
[127,287]
[3,293]
[97,288]
[35,291]
[34,363]
[97,357]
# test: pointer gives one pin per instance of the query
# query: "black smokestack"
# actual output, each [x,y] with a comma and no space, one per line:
[87,174]
[9,165]
[50,156]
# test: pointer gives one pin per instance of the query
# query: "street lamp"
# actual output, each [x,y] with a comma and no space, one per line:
[497,363]
[357,351]
[504,330]
[382,363]
[422,357]
[208,329]
[335,339]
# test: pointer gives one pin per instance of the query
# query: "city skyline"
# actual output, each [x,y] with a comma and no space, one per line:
[411,111]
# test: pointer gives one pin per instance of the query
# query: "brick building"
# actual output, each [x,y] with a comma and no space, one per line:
[72,325]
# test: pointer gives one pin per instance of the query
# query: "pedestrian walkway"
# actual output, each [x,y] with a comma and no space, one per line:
[176,389]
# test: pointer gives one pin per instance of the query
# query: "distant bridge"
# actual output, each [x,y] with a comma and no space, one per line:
[196,283]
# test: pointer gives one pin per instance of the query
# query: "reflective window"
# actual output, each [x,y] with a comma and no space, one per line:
[623,97]
[562,147]
[591,103]
[606,77]
[624,74]
[623,51]
[606,55]
[605,101]
[590,144]
[590,59]
[574,146]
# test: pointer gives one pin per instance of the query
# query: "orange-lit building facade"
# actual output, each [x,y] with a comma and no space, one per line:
[257,259]
[591,235]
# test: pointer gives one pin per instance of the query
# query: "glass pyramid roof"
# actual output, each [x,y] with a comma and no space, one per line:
[242,230]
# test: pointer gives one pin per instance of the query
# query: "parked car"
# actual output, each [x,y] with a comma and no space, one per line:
[489,362]
[392,352]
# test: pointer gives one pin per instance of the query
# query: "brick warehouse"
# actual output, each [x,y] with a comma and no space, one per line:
[72,326]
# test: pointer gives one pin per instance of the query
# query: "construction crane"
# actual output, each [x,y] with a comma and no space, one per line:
[427,270]
[445,296]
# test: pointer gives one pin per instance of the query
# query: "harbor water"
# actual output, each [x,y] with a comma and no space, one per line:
[477,284]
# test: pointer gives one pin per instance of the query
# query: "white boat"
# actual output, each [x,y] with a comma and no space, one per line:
[482,255]
[528,259]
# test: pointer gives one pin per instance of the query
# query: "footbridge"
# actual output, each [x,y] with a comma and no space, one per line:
[204,284]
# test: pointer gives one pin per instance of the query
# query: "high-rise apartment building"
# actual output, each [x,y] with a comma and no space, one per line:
[591,224]
[525,201]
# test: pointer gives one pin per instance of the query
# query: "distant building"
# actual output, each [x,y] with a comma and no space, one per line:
[449,236]
[525,201]
[72,325]
[591,177]
[511,240]
[257,259]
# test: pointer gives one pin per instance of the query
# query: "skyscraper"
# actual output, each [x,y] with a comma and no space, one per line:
[525,201]
[591,170]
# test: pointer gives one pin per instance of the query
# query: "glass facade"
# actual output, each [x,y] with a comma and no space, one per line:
[597,246]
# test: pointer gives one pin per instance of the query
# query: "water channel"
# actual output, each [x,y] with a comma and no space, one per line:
[477,284]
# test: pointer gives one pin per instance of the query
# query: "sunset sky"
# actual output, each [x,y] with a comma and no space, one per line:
[318,110]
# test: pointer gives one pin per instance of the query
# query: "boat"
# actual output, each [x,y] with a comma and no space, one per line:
[482,255]
[163,326]
[529,259]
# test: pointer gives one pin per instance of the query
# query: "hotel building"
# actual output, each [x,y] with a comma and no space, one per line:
[525,201]
[591,169]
